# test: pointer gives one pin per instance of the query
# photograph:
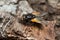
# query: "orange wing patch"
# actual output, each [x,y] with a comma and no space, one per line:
[36,13]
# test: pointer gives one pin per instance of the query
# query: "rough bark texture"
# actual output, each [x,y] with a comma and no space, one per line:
[11,27]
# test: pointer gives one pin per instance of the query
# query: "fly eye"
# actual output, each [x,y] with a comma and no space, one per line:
[29,16]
